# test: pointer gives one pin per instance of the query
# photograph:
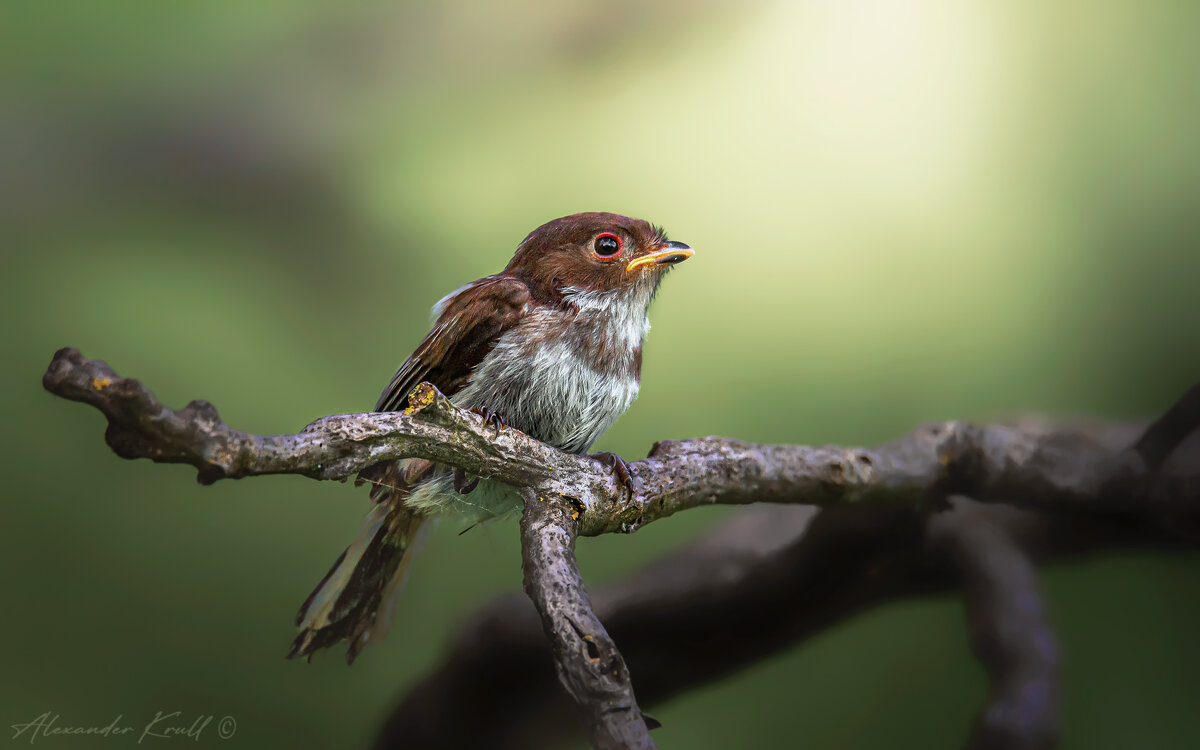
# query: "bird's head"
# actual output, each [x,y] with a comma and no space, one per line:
[597,252]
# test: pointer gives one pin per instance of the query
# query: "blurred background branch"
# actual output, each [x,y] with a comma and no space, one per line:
[1010,633]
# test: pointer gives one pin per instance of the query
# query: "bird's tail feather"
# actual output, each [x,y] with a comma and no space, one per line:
[356,598]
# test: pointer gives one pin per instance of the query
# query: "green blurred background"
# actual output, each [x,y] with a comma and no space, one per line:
[903,211]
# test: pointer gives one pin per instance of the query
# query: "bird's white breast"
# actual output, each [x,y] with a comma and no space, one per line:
[563,375]
[540,378]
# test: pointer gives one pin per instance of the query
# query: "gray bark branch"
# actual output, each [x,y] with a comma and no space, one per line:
[1034,464]
[877,504]
[588,663]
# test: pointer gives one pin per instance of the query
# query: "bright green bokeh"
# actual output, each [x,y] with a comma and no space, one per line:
[902,212]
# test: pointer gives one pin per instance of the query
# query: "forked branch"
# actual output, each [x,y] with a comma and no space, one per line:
[1093,471]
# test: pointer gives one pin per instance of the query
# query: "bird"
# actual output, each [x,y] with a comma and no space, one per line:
[550,346]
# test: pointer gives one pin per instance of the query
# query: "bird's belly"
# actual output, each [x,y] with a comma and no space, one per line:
[554,395]
[540,380]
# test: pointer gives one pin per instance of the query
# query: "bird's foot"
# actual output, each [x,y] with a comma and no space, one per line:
[619,466]
[492,418]
[464,484]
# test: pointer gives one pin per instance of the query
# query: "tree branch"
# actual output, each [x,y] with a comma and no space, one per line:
[589,665]
[1035,464]
[1010,633]
[139,426]
[1168,432]
[872,537]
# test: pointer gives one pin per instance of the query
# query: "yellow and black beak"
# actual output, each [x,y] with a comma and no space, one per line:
[667,255]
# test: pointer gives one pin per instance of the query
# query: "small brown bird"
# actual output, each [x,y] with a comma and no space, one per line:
[551,346]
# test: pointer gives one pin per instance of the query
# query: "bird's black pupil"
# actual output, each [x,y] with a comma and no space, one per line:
[607,246]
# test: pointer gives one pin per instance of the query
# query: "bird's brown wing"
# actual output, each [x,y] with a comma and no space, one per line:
[353,599]
[467,329]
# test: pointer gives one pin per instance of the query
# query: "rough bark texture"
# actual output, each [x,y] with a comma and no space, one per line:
[949,504]
[588,663]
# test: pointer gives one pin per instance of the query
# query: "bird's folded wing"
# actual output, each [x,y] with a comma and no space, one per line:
[470,324]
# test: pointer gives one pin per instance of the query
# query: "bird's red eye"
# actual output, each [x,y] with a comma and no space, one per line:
[607,246]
